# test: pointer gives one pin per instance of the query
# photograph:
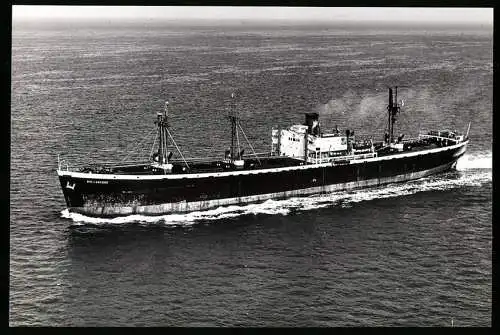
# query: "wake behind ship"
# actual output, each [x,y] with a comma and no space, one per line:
[303,161]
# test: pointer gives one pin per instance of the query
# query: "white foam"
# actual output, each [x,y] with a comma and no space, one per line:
[268,207]
[467,176]
[478,160]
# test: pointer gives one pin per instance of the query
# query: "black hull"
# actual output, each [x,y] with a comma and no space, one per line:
[102,196]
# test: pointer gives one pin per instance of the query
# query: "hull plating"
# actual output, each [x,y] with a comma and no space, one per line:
[99,197]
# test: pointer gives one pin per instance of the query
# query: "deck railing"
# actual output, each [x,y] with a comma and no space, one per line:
[440,137]
[342,158]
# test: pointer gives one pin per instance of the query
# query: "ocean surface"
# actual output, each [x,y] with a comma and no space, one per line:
[412,254]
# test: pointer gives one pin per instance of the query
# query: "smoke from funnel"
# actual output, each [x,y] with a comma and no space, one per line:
[351,108]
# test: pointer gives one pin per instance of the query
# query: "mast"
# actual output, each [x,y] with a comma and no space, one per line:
[233,119]
[163,135]
[393,109]
[236,156]
[162,122]
[389,109]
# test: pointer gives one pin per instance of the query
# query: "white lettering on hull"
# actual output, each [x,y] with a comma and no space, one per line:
[97,182]
[183,207]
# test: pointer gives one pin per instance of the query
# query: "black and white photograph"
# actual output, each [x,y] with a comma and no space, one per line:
[266,166]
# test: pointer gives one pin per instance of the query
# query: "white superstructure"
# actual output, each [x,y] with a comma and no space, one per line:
[306,142]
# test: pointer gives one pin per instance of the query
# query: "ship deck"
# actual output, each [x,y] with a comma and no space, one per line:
[251,163]
[213,166]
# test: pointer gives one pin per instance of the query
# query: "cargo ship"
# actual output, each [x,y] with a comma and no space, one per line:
[303,160]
